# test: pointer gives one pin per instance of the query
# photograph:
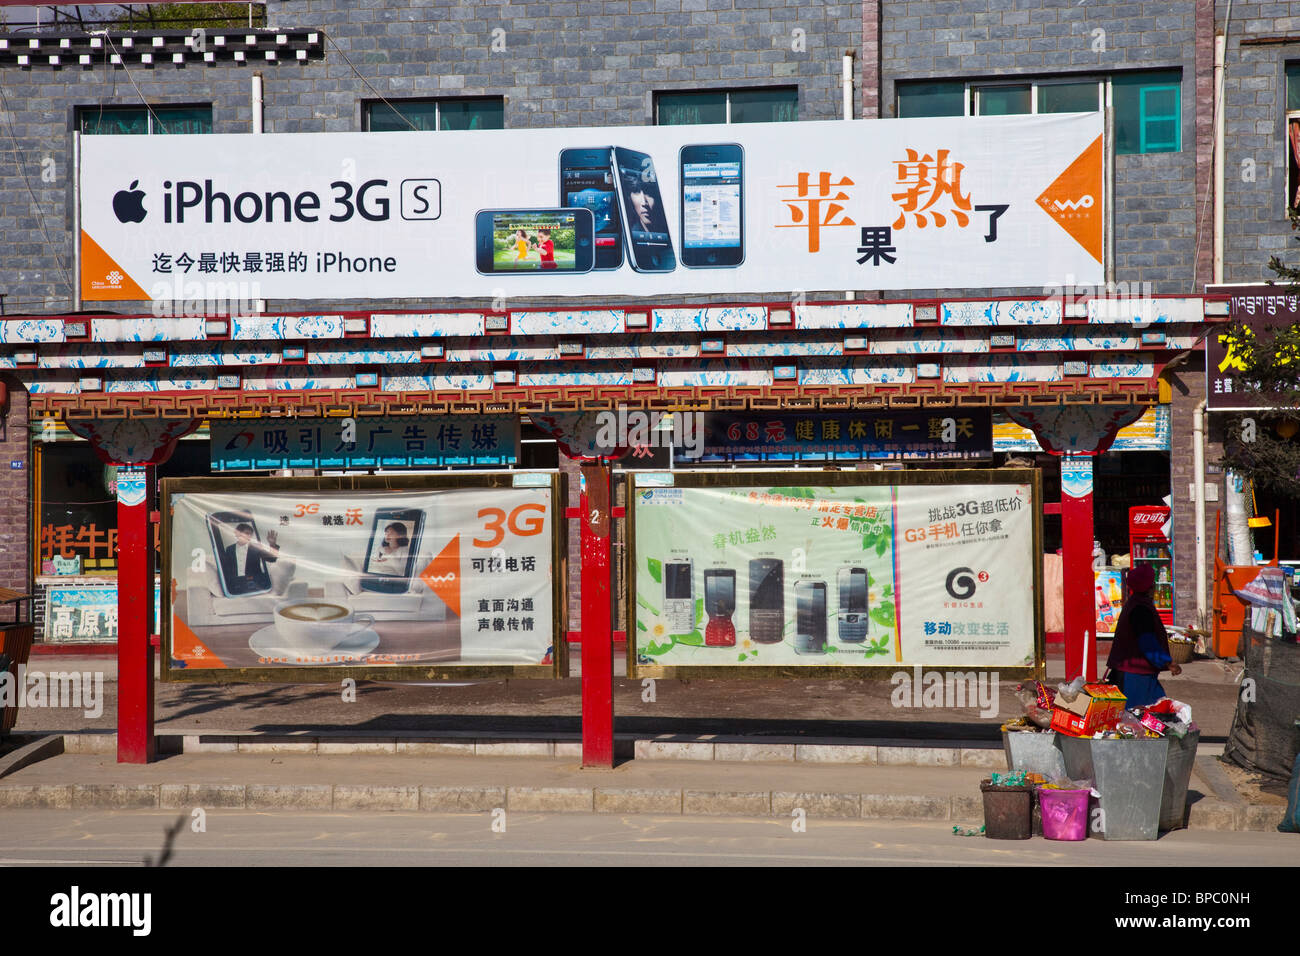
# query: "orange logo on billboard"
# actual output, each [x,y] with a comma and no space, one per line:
[926,180]
[1074,199]
[815,205]
[442,576]
[102,278]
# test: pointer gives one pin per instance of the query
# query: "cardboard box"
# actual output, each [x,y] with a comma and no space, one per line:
[1098,707]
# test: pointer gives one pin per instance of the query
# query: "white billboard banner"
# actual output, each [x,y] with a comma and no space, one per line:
[974,202]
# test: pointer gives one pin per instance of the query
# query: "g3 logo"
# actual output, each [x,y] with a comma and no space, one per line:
[960,583]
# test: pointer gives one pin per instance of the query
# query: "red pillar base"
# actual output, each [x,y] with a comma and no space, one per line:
[135,730]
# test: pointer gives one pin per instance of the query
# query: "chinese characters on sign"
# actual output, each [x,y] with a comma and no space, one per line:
[965,433]
[387,442]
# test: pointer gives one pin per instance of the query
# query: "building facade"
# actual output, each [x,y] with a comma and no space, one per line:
[338,67]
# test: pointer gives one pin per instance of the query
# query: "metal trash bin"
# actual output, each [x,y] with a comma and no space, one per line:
[1178,774]
[1129,775]
[1036,753]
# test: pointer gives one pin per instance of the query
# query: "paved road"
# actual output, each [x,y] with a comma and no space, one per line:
[246,838]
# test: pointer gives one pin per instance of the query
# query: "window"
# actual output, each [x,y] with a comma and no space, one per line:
[1148,113]
[475,112]
[1148,106]
[768,105]
[140,121]
[1293,136]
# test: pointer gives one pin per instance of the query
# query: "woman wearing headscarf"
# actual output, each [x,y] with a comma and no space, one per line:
[1140,650]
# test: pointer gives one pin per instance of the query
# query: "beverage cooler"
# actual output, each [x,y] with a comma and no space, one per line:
[1148,532]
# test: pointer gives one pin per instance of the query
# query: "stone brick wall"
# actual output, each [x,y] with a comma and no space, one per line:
[557,64]
[1255,138]
[1155,227]
[15,502]
[1188,388]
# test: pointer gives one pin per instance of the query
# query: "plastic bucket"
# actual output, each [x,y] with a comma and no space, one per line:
[1065,813]
[1007,812]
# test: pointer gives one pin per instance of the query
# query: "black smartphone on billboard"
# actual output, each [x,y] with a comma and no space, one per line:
[534,241]
[587,182]
[649,246]
[712,180]
[853,605]
[766,600]
[393,550]
[242,558]
[810,617]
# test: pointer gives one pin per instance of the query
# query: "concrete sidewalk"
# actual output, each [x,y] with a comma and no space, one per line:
[268,774]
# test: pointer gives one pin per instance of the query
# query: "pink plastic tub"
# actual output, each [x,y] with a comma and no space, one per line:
[1065,813]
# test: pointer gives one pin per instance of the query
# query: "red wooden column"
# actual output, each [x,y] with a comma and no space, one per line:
[135,736]
[1076,558]
[597,635]
[136,445]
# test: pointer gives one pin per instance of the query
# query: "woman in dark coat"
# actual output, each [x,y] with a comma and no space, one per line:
[1140,650]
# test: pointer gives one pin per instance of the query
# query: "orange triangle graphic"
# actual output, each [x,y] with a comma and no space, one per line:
[443,575]
[102,278]
[1075,199]
[188,648]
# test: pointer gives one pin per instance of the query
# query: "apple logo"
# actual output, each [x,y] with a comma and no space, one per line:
[128,205]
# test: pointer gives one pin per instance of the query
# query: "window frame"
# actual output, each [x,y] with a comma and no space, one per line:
[1105,99]
[1290,72]
[726,93]
[81,112]
[367,105]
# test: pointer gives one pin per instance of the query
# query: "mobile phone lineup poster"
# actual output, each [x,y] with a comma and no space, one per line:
[361,578]
[954,202]
[949,575]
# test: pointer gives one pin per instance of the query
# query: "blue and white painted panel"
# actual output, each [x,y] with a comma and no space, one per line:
[8,361]
[1123,365]
[1003,368]
[717,372]
[926,343]
[148,329]
[1139,309]
[426,325]
[30,331]
[47,384]
[783,347]
[646,346]
[607,377]
[183,356]
[281,327]
[328,355]
[468,382]
[90,356]
[737,319]
[292,378]
[1002,312]
[860,315]
[164,380]
[860,373]
[586,322]
[1068,340]
[502,354]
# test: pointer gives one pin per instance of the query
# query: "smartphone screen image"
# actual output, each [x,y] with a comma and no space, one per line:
[393,549]
[649,246]
[766,600]
[679,597]
[587,182]
[853,610]
[242,558]
[533,241]
[810,617]
[712,206]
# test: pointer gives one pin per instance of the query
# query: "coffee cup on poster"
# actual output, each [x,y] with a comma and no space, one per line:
[317,623]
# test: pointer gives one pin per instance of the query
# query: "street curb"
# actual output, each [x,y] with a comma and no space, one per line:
[31,753]
[1204,814]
